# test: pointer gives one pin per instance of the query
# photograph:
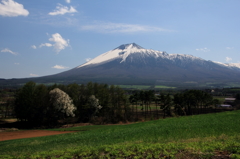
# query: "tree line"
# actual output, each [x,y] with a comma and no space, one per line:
[93,102]
[101,103]
[185,103]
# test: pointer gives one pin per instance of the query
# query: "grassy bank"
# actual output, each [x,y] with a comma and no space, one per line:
[201,135]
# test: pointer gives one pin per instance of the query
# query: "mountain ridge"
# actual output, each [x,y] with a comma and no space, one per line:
[132,64]
[123,51]
[133,61]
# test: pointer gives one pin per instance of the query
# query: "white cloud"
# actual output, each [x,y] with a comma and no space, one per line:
[60,9]
[33,75]
[34,46]
[9,51]
[46,44]
[121,28]
[88,59]
[203,49]
[60,43]
[9,8]
[59,67]
[228,59]
[68,1]
[229,48]
[16,63]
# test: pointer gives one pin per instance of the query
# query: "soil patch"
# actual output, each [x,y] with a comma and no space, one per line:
[28,134]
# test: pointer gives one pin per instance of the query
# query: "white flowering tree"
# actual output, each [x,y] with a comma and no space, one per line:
[62,102]
[94,103]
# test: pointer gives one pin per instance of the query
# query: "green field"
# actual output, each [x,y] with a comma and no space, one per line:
[134,86]
[145,87]
[199,136]
[164,87]
[220,98]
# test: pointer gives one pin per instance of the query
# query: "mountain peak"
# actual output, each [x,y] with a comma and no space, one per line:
[129,46]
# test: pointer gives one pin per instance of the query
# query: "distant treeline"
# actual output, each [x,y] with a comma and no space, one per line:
[39,104]
[184,103]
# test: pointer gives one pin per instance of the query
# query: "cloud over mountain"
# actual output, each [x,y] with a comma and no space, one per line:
[121,28]
[228,59]
[59,67]
[33,75]
[203,49]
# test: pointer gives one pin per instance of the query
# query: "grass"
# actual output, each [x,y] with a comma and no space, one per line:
[134,86]
[220,98]
[198,136]
[164,87]
[140,87]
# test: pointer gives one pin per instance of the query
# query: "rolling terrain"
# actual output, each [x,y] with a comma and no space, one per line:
[199,136]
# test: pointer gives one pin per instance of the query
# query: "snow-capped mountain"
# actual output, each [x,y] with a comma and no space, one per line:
[134,64]
[133,52]
[230,65]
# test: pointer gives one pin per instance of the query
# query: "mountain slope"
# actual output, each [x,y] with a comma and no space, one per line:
[133,62]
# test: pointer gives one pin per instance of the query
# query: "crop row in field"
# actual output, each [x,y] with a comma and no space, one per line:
[199,135]
[222,146]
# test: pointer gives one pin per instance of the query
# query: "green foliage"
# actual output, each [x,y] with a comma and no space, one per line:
[186,101]
[200,136]
[113,101]
[166,103]
[143,99]
[25,103]
[34,103]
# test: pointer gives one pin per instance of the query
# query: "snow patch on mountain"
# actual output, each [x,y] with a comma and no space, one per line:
[184,57]
[234,65]
[124,51]
[229,65]
[220,63]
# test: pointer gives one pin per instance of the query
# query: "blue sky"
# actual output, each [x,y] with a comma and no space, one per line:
[39,38]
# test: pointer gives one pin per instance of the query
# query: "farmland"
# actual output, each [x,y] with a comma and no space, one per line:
[135,86]
[141,87]
[198,136]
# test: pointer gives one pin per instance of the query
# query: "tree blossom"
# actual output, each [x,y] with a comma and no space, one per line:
[62,102]
[94,102]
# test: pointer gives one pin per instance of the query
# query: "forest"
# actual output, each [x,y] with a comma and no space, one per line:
[41,105]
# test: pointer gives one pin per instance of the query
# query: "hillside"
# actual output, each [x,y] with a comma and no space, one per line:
[200,136]
[132,64]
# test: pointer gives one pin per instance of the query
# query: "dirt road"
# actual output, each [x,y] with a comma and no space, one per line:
[28,134]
